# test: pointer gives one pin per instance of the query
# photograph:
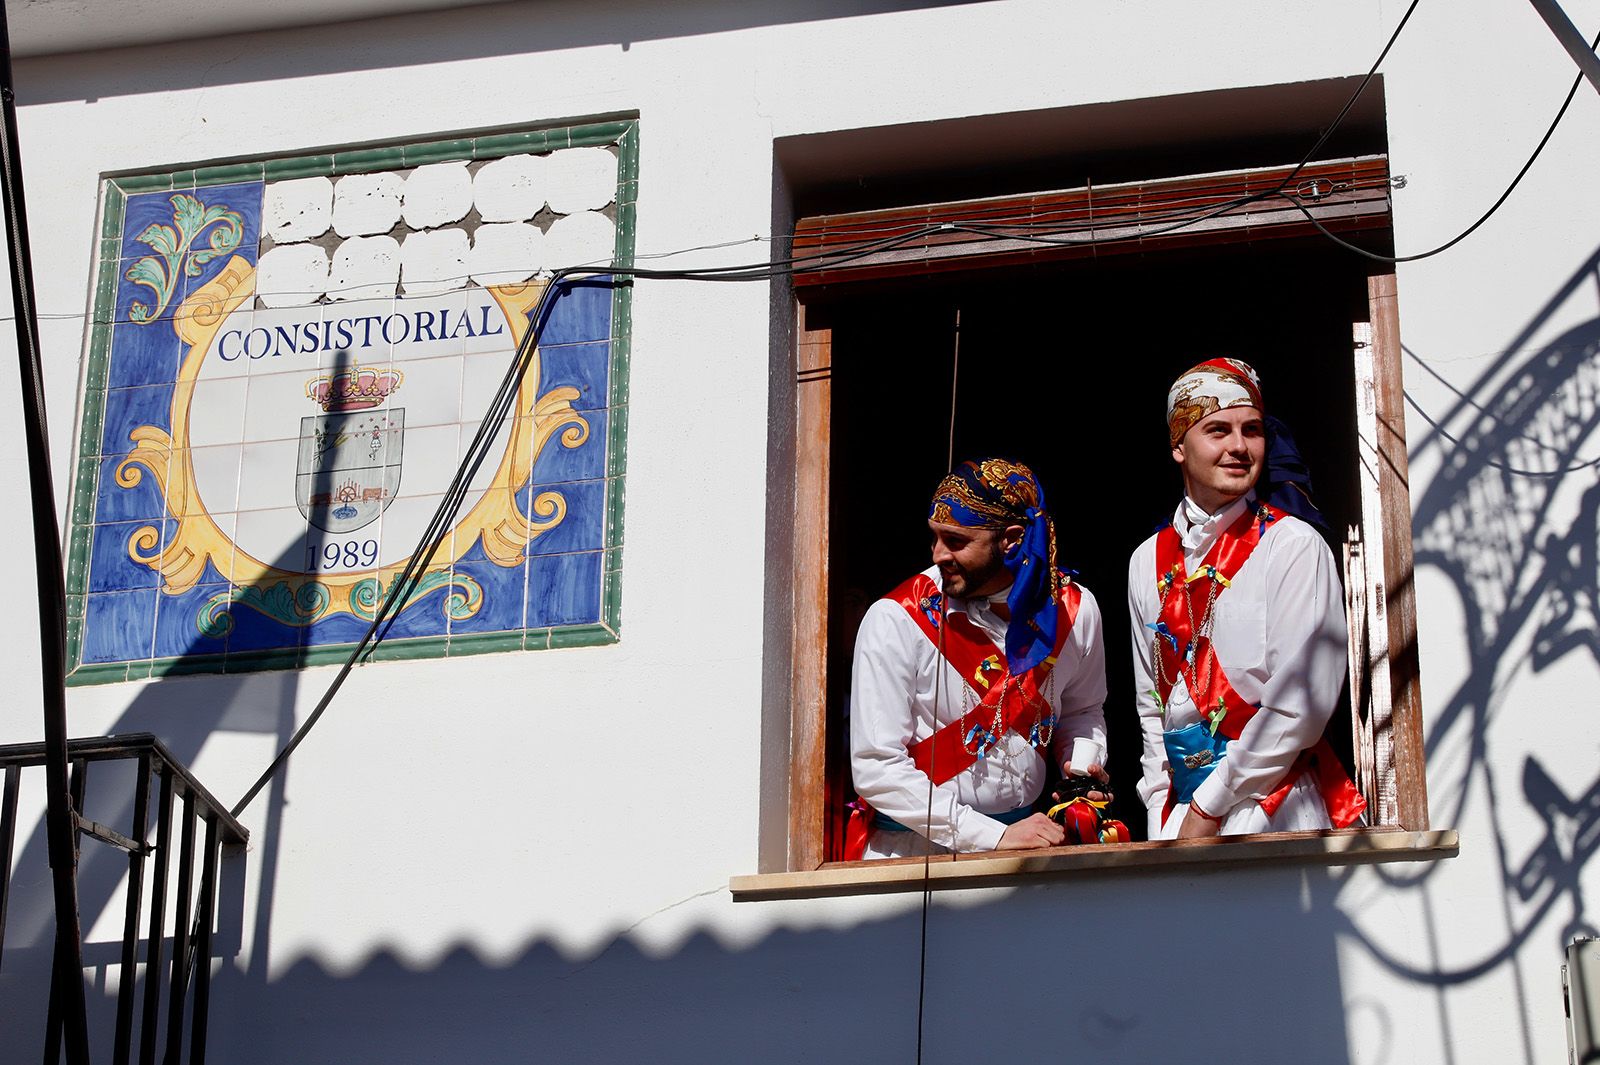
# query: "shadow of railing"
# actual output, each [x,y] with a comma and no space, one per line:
[185,970]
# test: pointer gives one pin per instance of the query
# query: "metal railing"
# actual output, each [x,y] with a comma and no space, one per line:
[182,807]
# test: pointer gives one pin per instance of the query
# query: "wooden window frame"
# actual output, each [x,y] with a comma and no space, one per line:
[1385,681]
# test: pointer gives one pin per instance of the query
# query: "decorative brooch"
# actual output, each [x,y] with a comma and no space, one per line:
[1208,570]
[1165,580]
[984,739]
[1161,630]
[1265,517]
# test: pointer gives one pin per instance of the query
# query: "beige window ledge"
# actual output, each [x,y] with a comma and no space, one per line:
[995,868]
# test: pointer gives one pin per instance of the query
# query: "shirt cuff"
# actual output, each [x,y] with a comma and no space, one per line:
[1215,797]
[978,832]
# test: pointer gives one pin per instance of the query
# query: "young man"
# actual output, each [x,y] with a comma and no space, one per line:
[1239,636]
[970,674]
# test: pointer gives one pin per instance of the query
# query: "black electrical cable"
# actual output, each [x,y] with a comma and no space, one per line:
[1473,228]
[1371,73]
[405,581]
[1560,471]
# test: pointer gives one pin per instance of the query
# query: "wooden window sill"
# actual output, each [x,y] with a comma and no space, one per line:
[995,868]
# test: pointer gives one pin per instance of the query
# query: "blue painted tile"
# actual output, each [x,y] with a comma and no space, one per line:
[142,502]
[141,211]
[246,199]
[129,408]
[110,567]
[425,617]
[255,631]
[341,628]
[119,626]
[580,312]
[586,367]
[583,527]
[143,355]
[564,590]
[130,292]
[178,624]
[558,463]
[156,208]
[503,593]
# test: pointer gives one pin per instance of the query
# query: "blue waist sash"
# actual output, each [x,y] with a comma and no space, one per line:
[1192,753]
[889,824]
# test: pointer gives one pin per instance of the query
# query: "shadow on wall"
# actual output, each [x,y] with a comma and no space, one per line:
[1511,520]
[184,713]
[407,39]
[840,996]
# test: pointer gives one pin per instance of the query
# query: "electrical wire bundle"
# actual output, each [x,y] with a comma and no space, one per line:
[405,582]
[1042,233]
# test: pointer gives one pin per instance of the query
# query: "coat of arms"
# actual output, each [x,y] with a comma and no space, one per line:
[349,465]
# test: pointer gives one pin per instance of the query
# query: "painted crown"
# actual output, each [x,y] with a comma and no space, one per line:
[357,388]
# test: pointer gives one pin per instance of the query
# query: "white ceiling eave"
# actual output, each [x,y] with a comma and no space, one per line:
[45,27]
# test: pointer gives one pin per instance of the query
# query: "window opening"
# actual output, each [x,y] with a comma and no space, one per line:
[1066,367]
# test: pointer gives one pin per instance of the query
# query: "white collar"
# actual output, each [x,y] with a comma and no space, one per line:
[1200,530]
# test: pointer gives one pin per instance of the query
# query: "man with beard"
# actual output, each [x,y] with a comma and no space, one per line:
[1238,629]
[972,673]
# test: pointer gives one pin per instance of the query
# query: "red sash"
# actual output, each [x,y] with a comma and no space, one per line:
[982,666]
[1224,560]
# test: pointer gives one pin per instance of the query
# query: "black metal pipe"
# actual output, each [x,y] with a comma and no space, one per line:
[54,1020]
[158,903]
[8,837]
[52,1014]
[1580,50]
[51,588]
[122,1045]
[204,919]
[180,935]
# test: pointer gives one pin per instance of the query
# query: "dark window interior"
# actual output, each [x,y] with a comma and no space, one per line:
[1066,367]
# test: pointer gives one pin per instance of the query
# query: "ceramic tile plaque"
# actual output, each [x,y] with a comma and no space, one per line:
[288,361]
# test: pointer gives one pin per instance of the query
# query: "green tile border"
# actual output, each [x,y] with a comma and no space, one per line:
[463,150]
[232,173]
[98,673]
[582,636]
[621,133]
[499,144]
[144,183]
[303,166]
[481,643]
[362,160]
[111,205]
[410,650]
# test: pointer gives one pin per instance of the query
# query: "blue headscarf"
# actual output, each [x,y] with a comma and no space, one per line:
[1285,478]
[996,494]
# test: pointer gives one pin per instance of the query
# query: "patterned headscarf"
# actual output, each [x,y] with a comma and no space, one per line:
[1203,390]
[1219,384]
[996,494]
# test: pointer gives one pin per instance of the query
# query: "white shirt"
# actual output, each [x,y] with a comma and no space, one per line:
[1279,634]
[900,687]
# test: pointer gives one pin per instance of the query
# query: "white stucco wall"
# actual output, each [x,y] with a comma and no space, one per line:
[455,872]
